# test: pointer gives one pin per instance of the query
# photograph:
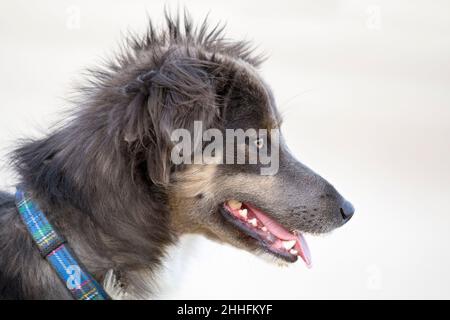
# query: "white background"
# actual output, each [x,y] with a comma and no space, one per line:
[365,90]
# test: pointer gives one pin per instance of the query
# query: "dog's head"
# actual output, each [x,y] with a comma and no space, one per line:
[194,77]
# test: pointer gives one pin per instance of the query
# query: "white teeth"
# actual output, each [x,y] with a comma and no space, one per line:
[253,222]
[234,204]
[264,229]
[289,244]
[243,213]
[293,251]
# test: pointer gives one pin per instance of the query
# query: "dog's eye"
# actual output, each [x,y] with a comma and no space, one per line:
[259,143]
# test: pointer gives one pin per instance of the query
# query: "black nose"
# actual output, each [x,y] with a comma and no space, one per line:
[347,210]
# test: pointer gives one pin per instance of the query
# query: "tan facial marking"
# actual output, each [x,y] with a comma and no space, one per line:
[190,195]
[196,193]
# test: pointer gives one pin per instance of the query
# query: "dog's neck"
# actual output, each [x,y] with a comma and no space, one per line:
[113,220]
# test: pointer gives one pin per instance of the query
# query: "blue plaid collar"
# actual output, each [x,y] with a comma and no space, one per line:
[54,249]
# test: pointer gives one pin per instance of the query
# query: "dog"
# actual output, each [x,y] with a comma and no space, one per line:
[106,181]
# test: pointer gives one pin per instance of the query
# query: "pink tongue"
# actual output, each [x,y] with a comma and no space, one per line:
[273,226]
[303,250]
[280,232]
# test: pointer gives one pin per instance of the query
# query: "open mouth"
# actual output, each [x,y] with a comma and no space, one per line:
[272,236]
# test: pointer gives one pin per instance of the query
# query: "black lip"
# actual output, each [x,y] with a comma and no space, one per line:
[255,235]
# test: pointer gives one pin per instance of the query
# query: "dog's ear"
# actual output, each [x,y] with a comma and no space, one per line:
[180,92]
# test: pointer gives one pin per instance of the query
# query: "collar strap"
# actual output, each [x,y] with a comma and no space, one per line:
[54,249]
